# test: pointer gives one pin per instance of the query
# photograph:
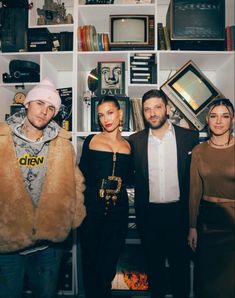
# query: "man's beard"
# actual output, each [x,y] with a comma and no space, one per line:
[162,121]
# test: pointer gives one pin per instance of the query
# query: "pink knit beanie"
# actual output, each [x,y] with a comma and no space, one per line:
[44,91]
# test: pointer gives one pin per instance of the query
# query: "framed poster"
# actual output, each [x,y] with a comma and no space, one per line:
[111,78]
[131,270]
[124,105]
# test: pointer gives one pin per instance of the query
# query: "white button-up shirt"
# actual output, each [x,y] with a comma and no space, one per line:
[162,164]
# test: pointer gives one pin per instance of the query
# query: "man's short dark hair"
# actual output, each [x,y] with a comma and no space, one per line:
[154,93]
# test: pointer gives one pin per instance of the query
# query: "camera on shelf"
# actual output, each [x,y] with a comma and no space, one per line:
[22,71]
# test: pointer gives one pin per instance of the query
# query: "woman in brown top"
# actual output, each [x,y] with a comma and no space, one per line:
[212,188]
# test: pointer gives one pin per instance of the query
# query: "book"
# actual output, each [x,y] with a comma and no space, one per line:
[105,41]
[228,38]
[138,121]
[144,54]
[142,57]
[140,80]
[64,117]
[139,63]
[131,270]
[135,68]
[167,38]
[141,74]
[232,31]
[161,38]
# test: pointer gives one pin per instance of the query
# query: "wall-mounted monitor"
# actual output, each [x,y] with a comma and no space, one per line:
[191,92]
[196,25]
[130,31]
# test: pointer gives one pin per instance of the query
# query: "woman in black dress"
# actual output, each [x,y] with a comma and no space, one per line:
[106,165]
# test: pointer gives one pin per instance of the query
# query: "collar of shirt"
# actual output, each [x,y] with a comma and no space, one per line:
[170,133]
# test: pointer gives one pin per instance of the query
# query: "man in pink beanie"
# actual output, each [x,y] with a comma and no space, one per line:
[41,195]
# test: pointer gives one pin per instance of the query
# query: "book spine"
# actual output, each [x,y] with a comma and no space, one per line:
[228,38]
[105,40]
[232,31]
[151,31]
[167,38]
[134,68]
[161,39]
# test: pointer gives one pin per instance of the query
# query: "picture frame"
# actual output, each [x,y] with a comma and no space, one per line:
[131,269]
[111,78]
[131,273]
[124,102]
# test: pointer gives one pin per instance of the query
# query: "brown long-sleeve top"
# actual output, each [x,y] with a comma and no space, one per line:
[212,173]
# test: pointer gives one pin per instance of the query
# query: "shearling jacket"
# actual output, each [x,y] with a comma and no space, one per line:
[61,201]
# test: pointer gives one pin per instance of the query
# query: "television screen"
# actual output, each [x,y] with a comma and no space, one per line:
[192,89]
[136,34]
[191,92]
[131,32]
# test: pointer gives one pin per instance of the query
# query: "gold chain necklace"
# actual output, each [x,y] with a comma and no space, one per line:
[24,132]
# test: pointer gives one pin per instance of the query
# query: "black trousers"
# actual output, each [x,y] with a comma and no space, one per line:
[102,239]
[164,235]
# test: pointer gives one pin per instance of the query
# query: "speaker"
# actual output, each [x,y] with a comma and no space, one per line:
[22,71]
[14,23]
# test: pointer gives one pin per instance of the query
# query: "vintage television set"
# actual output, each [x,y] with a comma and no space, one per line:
[131,32]
[191,92]
[196,25]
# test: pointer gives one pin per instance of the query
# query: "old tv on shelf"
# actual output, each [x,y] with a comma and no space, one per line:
[196,25]
[131,32]
[191,92]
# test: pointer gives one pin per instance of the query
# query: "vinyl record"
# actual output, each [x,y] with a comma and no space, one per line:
[92,80]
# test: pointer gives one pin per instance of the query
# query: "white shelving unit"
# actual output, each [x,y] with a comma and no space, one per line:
[71,68]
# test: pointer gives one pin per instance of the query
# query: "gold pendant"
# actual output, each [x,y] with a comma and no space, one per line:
[114,199]
[101,193]
[107,197]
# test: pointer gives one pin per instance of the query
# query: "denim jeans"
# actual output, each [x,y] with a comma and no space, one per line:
[42,270]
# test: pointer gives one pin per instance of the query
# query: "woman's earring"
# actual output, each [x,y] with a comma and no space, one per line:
[121,125]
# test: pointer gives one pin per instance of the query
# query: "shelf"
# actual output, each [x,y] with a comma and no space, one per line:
[56,28]
[206,60]
[14,87]
[99,17]
[33,14]
[71,68]
[137,90]
[88,60]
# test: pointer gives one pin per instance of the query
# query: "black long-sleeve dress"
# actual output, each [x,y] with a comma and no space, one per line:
[103,231]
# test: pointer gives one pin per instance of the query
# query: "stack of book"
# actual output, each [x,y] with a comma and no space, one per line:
[143,68]
[89,40]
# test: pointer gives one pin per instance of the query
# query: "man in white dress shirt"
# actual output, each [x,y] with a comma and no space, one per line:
[162,153]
